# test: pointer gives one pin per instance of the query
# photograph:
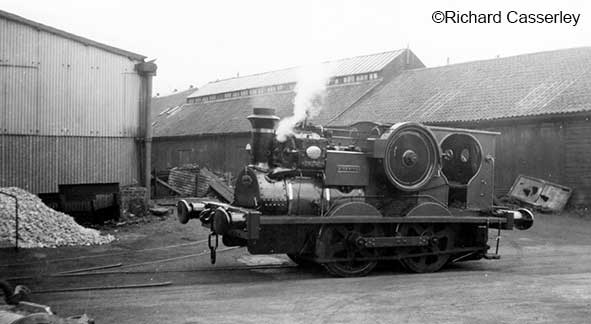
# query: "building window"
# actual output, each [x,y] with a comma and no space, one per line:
[361,77]
[349,79]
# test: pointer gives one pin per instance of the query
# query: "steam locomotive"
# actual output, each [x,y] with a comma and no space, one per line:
[348,197]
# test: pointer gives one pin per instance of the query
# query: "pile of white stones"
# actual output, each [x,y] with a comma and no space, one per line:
[40,225]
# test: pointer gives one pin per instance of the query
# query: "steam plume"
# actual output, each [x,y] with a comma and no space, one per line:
[310,92]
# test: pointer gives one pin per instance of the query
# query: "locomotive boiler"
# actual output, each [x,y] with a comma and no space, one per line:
[348,197]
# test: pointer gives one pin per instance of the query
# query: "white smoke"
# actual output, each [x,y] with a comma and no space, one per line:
[310,92]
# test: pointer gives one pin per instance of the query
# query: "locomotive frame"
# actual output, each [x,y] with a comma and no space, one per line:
[349,197]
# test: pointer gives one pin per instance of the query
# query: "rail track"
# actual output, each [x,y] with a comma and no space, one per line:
[106,271]
[111,275]
[101,255]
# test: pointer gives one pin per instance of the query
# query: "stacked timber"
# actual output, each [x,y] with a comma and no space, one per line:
[192,181]
[41,226]
[203,182]
[184,179]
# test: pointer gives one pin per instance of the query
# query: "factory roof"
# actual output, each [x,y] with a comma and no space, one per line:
[64,34]
[229,116]
[161,104]
[537,84]
[226,112]
[348,66]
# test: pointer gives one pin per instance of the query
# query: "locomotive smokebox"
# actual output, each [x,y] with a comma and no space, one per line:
[264,122]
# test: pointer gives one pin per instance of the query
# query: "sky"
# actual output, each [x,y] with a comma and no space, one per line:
[195,42]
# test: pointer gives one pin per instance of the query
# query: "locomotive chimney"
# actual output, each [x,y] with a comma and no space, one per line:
[264,122]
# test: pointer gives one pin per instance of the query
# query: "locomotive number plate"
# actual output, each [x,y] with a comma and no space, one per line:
[345,168]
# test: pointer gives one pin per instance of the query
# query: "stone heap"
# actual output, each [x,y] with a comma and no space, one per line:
[41,226]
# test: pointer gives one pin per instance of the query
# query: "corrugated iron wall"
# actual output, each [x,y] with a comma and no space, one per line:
[40,163]
[69,112]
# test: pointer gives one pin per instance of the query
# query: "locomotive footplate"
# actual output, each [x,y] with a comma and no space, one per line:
[255,221]
[354,219]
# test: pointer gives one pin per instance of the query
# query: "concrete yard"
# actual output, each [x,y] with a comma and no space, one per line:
[544,276]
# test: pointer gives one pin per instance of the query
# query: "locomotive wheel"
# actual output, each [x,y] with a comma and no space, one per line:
[336,239]
[443,236]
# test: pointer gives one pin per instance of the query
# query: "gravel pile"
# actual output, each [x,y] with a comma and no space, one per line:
[41,226]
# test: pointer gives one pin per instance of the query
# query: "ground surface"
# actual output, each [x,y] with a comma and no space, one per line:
[544,276]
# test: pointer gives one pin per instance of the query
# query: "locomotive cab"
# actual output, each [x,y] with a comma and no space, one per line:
[349,197]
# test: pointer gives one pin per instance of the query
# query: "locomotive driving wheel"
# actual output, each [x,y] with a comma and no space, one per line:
[340,246]
[337,241]
[432,257]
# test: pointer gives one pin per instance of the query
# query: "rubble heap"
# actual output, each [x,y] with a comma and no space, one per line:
[41,226]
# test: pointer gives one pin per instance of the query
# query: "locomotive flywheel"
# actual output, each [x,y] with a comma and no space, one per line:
[336,241]
[411,156]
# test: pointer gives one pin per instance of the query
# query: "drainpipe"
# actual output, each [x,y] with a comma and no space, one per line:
[147,70]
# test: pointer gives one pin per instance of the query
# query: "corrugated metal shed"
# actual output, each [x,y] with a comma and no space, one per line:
[554,82]
[64,87]
[347,66]
[70,108]
[51,30]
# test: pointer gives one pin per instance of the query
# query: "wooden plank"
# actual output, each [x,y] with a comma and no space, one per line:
[167,186]
[218,186]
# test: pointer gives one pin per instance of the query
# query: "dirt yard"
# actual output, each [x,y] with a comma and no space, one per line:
[544,276]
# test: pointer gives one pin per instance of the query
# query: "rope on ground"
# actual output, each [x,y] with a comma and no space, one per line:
[156,284]
[108,266]
[200,269]
[132,265]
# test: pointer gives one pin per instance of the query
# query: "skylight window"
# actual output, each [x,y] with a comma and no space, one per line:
[173,111]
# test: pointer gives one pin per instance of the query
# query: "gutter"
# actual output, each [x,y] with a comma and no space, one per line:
[147,70]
